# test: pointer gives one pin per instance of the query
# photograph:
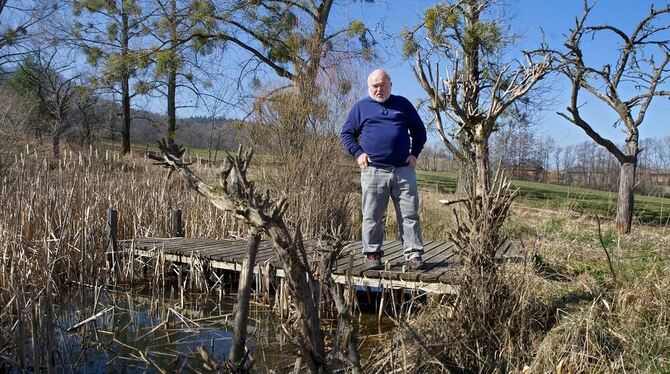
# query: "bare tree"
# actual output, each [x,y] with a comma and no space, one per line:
[238,195]
[45,78]
[640,71]
[15,115]
[477,88]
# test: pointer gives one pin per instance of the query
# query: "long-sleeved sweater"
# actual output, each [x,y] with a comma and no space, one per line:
[388,132]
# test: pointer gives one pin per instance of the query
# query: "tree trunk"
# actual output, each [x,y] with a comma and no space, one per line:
[243,292]
[125,85]
[466,166]
[312,347]
[172,76]
[55,144]
[465,178]
[171,106]
[482,166]
[624,212]
[125,115]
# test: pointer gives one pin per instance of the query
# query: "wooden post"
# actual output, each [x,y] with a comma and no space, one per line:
[237,349]
[175,224]
[112,225]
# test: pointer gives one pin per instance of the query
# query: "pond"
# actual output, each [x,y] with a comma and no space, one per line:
[137,332]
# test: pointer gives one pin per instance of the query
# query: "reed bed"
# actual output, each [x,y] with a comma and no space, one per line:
[53,234]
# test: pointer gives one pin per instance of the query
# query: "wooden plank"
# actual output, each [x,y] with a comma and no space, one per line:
[434,267]
[359,265]
[265,252]
[228,254]
[200,247]
[183,248]
[233,252]
[227,249]
[398,284]
[439,255]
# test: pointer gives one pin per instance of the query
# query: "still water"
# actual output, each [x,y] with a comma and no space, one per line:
[140,333]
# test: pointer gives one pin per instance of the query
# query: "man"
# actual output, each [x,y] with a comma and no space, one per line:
[385,135]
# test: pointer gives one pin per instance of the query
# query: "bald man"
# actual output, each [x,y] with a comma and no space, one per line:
[385,135]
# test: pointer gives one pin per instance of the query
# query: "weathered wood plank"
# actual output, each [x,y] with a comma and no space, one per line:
[441,263]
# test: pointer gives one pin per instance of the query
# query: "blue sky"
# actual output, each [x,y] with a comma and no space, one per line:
[528,17]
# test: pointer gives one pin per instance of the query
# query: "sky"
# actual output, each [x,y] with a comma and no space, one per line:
[528,18]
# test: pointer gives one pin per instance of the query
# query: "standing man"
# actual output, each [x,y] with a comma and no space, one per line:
[385,135]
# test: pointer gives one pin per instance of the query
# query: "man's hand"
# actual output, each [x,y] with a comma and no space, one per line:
[411,160]
[363,161]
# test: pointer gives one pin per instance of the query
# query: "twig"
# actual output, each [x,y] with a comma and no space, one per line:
[449,202]
[91,318]
[602,243]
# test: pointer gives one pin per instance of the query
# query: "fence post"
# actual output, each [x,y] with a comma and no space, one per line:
[112,224]
[175,223]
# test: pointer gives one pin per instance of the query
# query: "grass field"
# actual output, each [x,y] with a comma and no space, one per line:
[648,209]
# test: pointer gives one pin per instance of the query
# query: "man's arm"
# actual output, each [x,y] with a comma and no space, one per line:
[350,133]
[417,131]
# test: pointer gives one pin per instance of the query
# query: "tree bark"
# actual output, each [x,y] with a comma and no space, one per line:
[125,84]
[482,165]
[172,76]
[624,212]
[55,144]
[171,106]
[300,286]
[243,293]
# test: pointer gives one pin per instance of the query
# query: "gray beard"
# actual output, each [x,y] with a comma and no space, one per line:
[379,100]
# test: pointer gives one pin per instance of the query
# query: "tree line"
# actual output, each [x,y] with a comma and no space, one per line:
[526,156]
[170,50]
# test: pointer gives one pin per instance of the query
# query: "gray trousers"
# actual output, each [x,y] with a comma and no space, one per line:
[400,185]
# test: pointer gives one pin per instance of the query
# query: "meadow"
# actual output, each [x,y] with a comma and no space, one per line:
[648,209]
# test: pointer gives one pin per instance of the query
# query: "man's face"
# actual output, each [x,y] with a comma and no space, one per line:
[379,87]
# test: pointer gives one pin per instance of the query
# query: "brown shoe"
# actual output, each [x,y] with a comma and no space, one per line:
[374,261]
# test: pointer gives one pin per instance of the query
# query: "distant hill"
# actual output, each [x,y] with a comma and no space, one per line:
[194,132]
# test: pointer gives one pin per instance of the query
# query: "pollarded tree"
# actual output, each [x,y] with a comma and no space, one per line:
[627,85]
[477,88]
[109,33]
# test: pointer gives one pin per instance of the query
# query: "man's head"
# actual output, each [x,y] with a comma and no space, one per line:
[379,85]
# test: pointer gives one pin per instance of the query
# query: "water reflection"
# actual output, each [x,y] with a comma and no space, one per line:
[133,332]
[140,333]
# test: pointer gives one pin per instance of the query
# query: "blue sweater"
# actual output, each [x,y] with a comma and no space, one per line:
[383,131]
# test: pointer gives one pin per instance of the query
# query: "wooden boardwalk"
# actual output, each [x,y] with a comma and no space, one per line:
[436,277]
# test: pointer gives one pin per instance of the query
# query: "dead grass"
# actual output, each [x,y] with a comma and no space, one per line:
[52,231]
[573,317]
[576,319]
[625,330]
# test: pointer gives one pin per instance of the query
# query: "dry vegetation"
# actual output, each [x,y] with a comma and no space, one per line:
[53,231]
[562,312]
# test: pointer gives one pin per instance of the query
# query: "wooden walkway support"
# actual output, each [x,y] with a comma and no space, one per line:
[438,276]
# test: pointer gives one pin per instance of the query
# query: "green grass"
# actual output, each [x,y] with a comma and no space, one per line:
[203,153]
[648,209]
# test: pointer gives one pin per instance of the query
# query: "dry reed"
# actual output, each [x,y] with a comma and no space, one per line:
[53,234]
